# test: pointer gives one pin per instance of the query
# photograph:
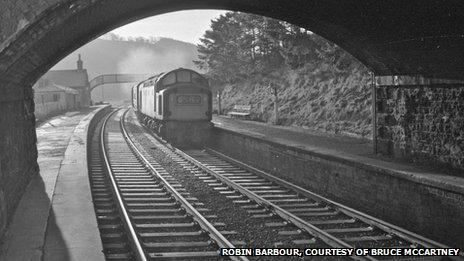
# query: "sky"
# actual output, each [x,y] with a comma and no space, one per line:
[188,26]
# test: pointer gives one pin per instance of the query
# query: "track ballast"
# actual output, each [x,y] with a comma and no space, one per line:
[167,205]
[142,212]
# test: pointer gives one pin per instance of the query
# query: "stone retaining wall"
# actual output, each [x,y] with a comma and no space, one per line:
[422,122]
[428,210]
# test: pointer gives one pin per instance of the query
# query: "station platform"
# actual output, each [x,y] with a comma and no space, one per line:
[340,147]
[55,219]
[424,199]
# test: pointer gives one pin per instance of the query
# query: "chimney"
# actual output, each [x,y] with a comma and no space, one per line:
[79,63]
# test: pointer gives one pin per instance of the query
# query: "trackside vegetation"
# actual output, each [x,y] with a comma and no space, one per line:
[320,86]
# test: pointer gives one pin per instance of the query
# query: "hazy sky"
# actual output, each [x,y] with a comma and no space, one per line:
[187,26]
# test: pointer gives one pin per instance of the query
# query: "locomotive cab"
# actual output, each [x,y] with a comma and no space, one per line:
[185,96]
[177,105]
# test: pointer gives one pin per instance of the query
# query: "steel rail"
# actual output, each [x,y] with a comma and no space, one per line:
[302,224]
[327,238]
[137,248]
[387,227]
[205,224]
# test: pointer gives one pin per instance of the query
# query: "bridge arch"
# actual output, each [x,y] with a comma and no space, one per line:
[413,37]
[397,38]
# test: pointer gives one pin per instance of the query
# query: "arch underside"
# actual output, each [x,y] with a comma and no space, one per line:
[396,38]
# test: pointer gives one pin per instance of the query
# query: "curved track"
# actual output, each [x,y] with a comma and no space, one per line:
[335,224]
[142,212]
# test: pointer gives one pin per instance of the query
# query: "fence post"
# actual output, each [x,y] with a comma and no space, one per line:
[374,113]
[219,102]
[276,101]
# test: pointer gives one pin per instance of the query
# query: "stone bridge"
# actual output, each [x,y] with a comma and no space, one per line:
[415,49]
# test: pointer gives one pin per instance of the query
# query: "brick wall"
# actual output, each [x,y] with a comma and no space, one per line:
[421,208]
[18,154]
[422,122]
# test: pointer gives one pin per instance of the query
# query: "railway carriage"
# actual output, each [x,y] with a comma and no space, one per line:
[177,105]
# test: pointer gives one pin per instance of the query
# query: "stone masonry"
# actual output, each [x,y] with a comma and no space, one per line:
[431,211]
[18,154]
[35,34]
[422,122]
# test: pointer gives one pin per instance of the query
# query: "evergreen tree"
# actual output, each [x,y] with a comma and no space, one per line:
[240,46]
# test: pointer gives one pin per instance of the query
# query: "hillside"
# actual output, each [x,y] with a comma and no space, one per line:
[320,85]
[339,103]
[108,56]
[316,95]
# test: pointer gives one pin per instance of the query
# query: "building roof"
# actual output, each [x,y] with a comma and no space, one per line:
[43,87]
[67,89]
[69,78]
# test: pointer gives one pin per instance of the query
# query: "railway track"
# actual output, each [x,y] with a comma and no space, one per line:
[335,224]
[142,212]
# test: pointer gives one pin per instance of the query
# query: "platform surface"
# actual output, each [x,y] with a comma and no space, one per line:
[343,148]
[55,219]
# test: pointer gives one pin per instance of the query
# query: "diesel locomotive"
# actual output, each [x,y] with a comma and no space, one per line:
[177,105]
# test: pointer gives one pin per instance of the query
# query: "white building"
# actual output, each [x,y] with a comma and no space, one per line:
[51,98]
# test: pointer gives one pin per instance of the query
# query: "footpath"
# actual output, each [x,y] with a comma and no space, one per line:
[342,147]
[426,199]
[55,219]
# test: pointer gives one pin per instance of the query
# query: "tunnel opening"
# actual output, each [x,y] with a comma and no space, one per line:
[38,40]
[300,78]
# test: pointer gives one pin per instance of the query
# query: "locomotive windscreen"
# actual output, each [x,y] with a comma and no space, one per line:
[182,76]
[169,79]
[198,79]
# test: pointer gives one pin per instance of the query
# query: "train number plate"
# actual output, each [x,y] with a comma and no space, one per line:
[188,99]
